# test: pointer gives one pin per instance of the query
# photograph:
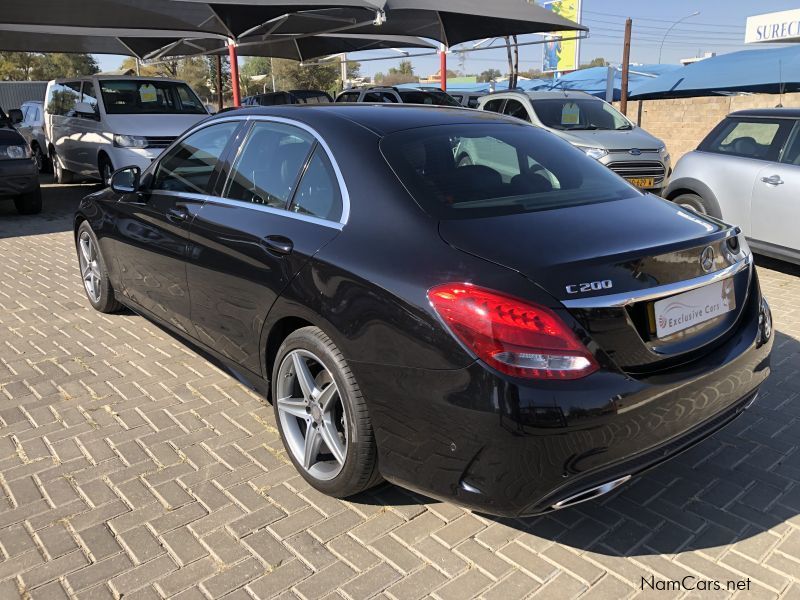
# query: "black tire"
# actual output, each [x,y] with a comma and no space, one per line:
[106,170]
[695,203]
[360,469]
[42,163]
[106,302]
[60,174]
[30,203]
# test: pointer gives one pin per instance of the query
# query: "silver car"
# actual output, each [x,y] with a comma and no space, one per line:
[32,129]
[595,127]
[747,172]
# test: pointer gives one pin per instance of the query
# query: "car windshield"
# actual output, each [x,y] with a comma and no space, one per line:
[579,114]
[426,97]
[479,170]
[148,97]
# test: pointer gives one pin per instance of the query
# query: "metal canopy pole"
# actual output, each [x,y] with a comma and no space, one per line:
[234,72]
[443,65]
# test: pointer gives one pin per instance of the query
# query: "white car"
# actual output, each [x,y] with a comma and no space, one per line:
[747,173]
[95,125]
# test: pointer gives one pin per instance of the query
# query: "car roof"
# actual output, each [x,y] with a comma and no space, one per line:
[781,113]
[547,95]
[116,78]
[381,119]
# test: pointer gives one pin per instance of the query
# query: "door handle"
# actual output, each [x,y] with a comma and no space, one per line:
[278,244]
[774,180]
[177,215]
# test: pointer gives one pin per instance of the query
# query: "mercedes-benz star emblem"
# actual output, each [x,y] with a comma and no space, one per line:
[707,259]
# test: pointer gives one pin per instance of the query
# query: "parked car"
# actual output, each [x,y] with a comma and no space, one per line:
[95,125]
[32,129]
[394,95]
[468,99]
[291,97]
[747,172]
[19,176]
[595,127]
[515,344]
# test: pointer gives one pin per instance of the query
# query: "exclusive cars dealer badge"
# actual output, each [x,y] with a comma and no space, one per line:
[707,259]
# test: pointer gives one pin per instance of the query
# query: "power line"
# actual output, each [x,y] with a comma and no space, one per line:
[661,20]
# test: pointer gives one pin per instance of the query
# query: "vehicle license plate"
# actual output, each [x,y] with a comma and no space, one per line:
[644,183]
[692,308]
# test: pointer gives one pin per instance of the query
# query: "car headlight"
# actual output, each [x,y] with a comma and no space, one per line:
[664,154]
[595,153]
[130,141]
[15,152]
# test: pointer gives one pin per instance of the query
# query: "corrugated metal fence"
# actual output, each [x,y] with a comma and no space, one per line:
[14,93]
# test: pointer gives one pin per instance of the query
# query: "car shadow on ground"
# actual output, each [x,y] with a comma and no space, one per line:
[739,483]
[59,205]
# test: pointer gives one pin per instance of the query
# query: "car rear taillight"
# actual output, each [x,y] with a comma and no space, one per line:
[515,337]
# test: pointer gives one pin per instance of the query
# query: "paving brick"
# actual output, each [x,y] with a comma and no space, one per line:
[140,544]
[183,546]
[370,583]
[282,578]
[99,542]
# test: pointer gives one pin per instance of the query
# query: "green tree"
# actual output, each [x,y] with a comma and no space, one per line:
[291,75]
[34,66]
[595,62]
[489,75]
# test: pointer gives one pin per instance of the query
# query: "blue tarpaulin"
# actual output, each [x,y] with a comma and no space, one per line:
[757,71]
[595,80]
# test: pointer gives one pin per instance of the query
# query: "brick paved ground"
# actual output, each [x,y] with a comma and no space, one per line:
[130,466]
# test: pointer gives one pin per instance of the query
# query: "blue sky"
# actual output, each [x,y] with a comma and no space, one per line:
[718,28]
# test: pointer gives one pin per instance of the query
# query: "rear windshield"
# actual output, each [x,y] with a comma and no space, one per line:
[135,97]
[436,98]
[579,114]
[479,170]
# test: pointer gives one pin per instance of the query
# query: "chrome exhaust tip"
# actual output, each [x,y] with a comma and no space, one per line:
[591,493]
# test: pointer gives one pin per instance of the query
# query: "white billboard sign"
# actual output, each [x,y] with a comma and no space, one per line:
[773,27]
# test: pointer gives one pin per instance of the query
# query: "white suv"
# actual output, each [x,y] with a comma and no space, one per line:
[595,127]
[94,125]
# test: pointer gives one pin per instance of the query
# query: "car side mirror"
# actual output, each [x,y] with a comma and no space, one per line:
[126,180]
[15,116]
[84,109]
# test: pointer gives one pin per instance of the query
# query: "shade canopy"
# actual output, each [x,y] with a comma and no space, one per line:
[755,71]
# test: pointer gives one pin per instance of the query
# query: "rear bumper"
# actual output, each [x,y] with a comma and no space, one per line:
[508,448]
[18,177]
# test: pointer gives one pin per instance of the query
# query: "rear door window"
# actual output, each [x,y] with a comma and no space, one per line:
[348,97]
[385,97]
[268,167]
[494,105]
[515,108]
[63,97]
[318,194]
[761,139]
[189,165]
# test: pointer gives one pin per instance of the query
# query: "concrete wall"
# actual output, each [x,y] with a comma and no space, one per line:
[683,123]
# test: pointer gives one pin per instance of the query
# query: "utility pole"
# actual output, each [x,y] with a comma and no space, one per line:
[626,65]
[220,95]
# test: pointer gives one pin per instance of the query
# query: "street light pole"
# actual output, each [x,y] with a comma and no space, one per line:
[671,27]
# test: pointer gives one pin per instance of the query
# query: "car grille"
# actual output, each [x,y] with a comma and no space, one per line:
[639,169]
[160,142]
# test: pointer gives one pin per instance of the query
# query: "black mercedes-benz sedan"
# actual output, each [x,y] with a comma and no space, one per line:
[450,300]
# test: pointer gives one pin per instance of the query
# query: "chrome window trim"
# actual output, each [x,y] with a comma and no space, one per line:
[280,212]
[627,298]
[343,191]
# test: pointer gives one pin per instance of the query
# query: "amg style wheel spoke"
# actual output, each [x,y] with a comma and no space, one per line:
[297,407]
[327,395]
[311,449]
[330,436]
[304,376]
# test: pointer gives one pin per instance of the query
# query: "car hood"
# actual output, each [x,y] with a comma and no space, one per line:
[152,125]
[9,135]
[635,243]
[612,140]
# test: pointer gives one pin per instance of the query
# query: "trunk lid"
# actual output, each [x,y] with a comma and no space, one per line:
[609,263]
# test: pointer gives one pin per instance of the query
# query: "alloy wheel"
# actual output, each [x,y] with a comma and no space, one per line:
[312,415]
[90,267]
[106,173]
[698,208]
